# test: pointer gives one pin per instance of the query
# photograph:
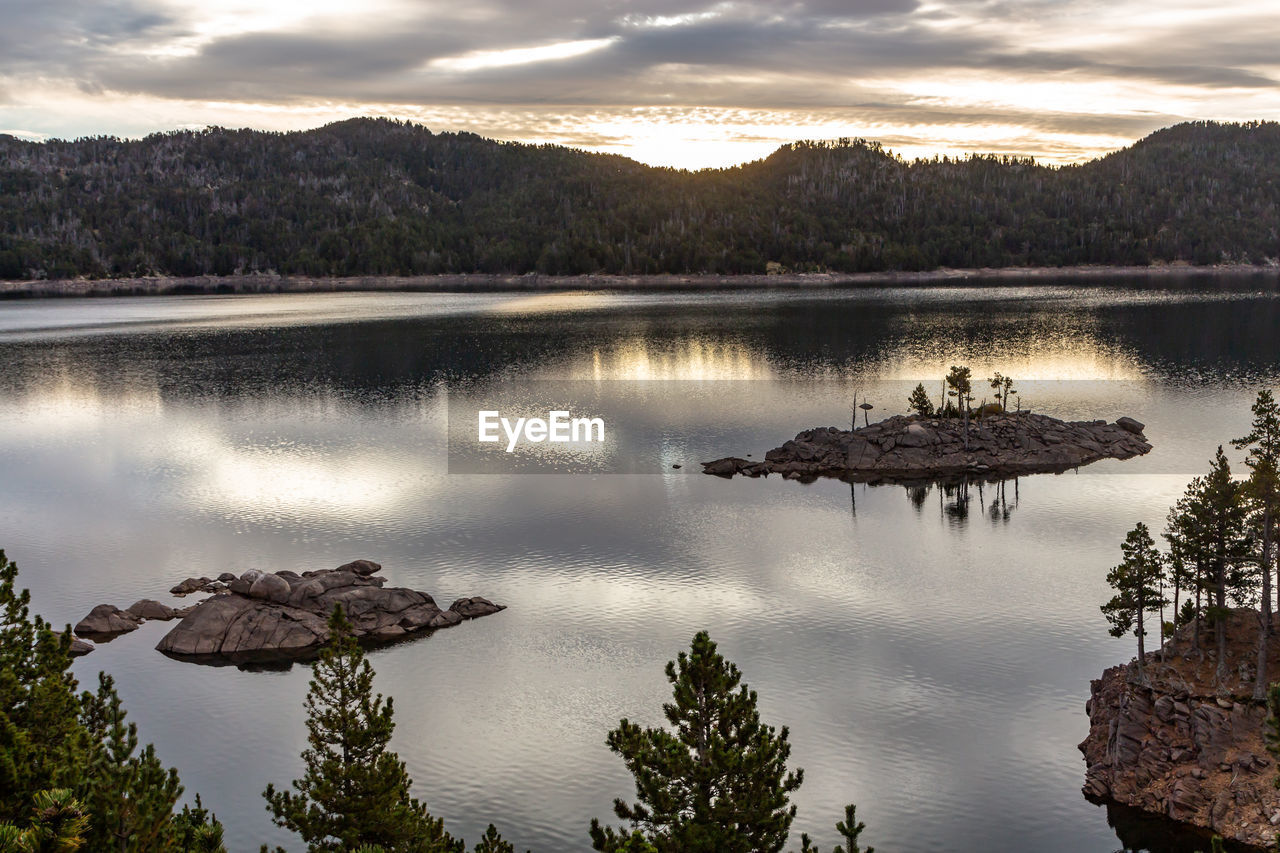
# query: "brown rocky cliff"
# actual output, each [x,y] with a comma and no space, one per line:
[1184,747]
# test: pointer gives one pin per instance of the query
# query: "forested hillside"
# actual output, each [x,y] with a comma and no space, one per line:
[372,196]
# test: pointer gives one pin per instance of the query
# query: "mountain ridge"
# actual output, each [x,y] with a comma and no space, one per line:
[380,197]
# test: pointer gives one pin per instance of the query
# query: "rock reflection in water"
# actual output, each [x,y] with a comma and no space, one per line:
[1143,832]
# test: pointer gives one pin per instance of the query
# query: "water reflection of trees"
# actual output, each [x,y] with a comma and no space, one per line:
[960,500]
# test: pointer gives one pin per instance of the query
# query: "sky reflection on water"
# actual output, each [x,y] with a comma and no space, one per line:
[932,668]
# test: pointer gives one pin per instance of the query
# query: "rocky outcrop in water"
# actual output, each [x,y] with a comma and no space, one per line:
[905,448]
[148,608]
[106,621]
[283,616]
[1183,746]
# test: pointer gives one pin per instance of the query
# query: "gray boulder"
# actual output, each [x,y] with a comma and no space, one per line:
[1130,425]
[150,609]
[915,435]
[470,608]
[270,588]
[360,567]
[106,621]
[189,586]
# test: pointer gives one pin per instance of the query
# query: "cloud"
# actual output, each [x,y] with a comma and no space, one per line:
[46,36]
[887,66]
[281,67]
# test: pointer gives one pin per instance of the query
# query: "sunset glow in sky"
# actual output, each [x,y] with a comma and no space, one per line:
[666,82]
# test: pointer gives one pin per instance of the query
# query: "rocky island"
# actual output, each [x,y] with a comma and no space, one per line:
[1187,744]
[907,448]
[264,617]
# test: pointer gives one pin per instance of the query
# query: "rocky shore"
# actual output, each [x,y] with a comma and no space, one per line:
[262,617]
[1184,745]
[500,282]
[904,448]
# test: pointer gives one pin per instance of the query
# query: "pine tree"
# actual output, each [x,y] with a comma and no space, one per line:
[1225,547]
[959,380]
[850,828]
[58,825]
[959,384]
[41,740]
[128,793]
[51,741]
[354,791]
[1136,582]
[719,782]
[1184,533]
[196,830]
[492,842]
[1262,491]
[919,401]
[1003,386]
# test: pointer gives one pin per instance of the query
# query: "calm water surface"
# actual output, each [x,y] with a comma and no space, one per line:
[932,656]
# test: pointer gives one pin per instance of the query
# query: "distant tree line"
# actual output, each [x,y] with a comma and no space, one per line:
[380,197]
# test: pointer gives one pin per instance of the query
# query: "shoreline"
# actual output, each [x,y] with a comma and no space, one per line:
[497,283]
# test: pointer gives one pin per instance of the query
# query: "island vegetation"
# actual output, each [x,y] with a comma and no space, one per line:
[369,197]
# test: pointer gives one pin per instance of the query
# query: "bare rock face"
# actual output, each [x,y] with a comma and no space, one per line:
[912,448]
[106,621]
[80,647]
[1183,746]
[284,616]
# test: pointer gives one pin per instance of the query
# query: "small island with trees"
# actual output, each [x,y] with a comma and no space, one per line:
[950,440]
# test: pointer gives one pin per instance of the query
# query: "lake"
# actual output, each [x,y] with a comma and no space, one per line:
[930,649]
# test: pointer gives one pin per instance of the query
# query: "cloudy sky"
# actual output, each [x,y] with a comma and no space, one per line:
[668,82]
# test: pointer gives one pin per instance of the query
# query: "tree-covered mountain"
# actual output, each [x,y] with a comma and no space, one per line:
[374,196]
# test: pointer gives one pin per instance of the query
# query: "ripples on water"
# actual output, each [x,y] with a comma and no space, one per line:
[932,659]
